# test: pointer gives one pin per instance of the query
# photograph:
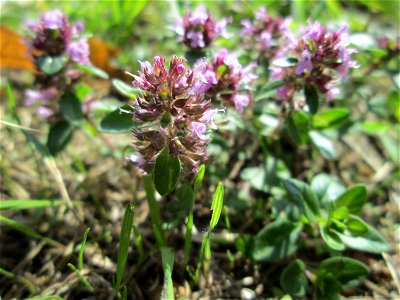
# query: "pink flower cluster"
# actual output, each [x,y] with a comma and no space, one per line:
[198,29]
[225,75]
[175,112]
[265,34]
[55,36]
[322,59]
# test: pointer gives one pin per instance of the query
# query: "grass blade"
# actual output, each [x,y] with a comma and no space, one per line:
[28,204]
[28,231]
[138,242]
[125,235]
[168,265]
[83,244]
[188,237]
[216,206]
[199,179]
[205,249]
[81,278]
[29,285]
[189,225]
[47,158]
[155,214]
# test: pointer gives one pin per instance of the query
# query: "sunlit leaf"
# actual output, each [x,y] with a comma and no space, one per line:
[118,121]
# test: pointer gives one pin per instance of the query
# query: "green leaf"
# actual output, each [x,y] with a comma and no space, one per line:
[344,269]
[222,70]
[125,89]
[166,172]
[342,213]
[328,288]
[82,249]
[28,204]
[244,244]
[324,145]
[199,178]
[51,64]
[298,125]
[375,127]
[59,135]
[27,230]
[353,198]
[320,184]
[118,121]
[303,196]
[71,108]
[216,205]
[92,70]
[356,226]
[331,238]
[168,265]
[285,62]
[312,99]
[330,118]
[124,240]
[276,241]
[371,241]
[293,279]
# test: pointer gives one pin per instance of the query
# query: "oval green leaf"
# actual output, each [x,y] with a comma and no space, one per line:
[125,89]
[331,238]
[330,118]
[118,121]
[303,196]
[92,70]
[297,124]
[312,99]
[276,241]
[51,64]
[166,172]
[59,135]
[353,198]
[293,279]
[71,108]
[344,269]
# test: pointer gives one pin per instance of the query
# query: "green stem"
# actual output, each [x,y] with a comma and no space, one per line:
[154,211]
[188,236]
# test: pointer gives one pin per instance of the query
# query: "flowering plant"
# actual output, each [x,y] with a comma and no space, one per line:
[318,60]
[225,76]
[61,55]
[58,45]
[266,35]
[177,115]
[197,29]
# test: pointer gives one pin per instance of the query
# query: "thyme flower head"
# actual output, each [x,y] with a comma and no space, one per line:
[197,29]
[322,59]
[173,111]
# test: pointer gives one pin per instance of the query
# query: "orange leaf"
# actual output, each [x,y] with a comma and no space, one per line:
[14,53]
[101,55]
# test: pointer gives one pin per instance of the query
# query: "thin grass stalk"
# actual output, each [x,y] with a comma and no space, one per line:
[155,214]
